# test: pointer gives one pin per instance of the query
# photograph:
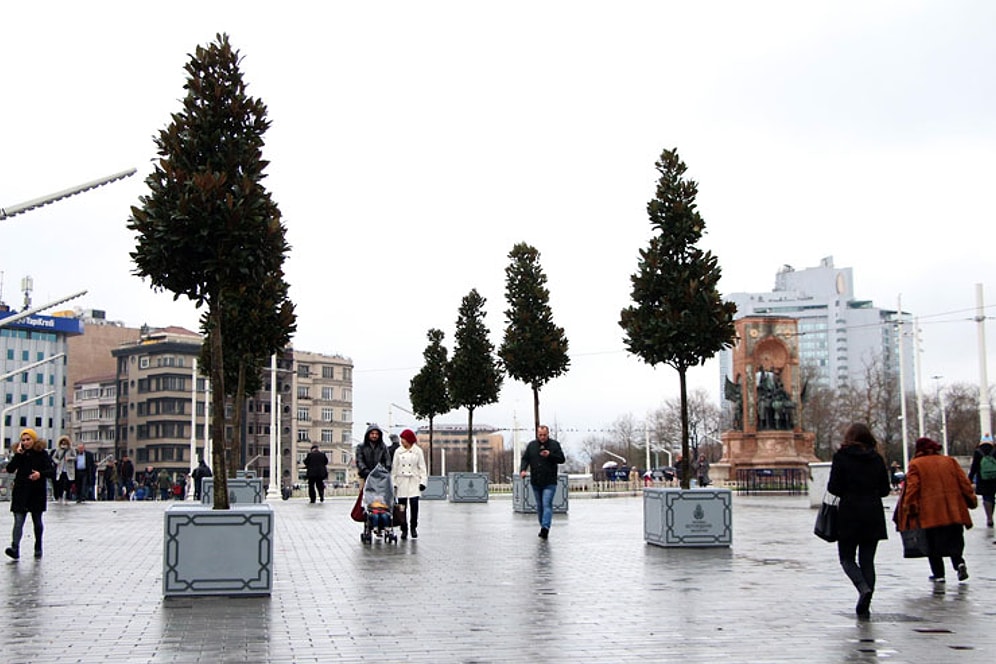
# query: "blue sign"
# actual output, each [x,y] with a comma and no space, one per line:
[38,323]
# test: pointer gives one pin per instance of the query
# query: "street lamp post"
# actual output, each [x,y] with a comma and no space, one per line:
[3,414]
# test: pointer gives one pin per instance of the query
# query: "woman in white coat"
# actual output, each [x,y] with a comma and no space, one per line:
[64,458]
[409,473]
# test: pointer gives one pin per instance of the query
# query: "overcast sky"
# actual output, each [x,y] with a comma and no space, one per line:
[413,144]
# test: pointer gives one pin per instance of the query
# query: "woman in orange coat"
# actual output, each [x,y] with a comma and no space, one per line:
[937,497]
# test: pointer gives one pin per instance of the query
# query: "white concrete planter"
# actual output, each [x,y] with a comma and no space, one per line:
[524,500]
[820,477]
[687,518]
[468,487]
[218,552]
[241,490]
[436,488]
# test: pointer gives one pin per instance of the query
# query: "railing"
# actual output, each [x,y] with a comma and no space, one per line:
[772,480]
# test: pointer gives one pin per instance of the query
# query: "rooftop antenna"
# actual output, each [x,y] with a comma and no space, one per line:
[27,285]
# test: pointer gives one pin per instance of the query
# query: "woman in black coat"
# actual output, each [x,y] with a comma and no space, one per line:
[858,476]
[32,467]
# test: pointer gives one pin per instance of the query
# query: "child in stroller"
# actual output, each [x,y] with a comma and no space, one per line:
[378,506]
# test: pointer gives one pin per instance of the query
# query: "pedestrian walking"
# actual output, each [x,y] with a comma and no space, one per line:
[110,480]
[409,474]
[371,452]
[540,460]
[983,474]
[32,468]
[126,474]
[165,485]
[316,470]
[859,477]
[702,470]
[86,473]
[937,497]
[200,472]
[64,457]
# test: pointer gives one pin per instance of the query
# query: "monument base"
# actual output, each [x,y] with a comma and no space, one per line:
[764,449]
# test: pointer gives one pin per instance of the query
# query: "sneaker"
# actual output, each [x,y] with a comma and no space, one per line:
[12,552]
[544,533]
[937,579]
[962,572]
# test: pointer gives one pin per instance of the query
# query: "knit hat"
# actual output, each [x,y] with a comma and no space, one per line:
[408,436]
[30,432]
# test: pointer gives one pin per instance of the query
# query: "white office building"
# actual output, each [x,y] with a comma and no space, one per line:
[840,335]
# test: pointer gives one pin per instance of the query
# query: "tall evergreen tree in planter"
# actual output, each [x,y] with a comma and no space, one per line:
[428,391]
[208,229]
[534,350]
[474,375]
[678,317]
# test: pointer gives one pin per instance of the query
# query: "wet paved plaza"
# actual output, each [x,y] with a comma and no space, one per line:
[480,586]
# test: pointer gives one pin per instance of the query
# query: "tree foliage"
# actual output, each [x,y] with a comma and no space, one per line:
[474,375]
[210,231]
[428,391]
[678,318]
[534,350]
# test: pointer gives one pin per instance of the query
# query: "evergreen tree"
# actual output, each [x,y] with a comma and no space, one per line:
[534,350]
[678,318]
[208,229]
[474,375]
[428,390]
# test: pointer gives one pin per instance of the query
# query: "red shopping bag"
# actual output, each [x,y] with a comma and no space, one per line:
[357,513]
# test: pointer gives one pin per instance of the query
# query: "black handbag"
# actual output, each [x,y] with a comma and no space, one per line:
[826,519]
[915,542]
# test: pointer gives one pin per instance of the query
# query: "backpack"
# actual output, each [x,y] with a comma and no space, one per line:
[987,467]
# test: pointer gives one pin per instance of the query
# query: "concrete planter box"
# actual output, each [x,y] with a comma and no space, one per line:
[217,552]
[687,518]
[819,474]
[241,490]
[436,488]
[523,499]
[468,487]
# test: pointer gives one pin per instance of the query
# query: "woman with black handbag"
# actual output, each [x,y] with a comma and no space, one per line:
[859,477]
[937,497]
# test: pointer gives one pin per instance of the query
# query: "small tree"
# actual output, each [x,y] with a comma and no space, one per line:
[208,229]
[474,375]
[428,390]
[534,350]
[679,318]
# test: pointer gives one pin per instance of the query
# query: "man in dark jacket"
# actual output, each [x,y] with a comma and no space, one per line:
[86,473]
[541,457]
[316,470]
[371,452]
[200,472]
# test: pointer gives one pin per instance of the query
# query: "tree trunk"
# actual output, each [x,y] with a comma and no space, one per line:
[218,416]
[536,417]
[470,440]
[429,465]
[686,462]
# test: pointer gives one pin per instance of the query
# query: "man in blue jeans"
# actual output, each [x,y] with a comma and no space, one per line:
[541,457]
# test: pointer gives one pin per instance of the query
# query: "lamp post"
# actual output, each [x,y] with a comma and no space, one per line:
[27,402]
[944,415]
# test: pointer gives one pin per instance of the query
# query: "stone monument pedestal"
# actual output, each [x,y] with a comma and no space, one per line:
[764,449]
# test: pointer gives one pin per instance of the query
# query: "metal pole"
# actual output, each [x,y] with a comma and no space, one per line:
[902,385]
[27,402]
[29,367]
[31,312]
[985,416]
[65,193]
[208,452]
[193,429]
[917,351]
[273,493]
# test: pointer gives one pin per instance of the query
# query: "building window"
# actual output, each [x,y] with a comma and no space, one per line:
[302,435]
[143,362]
[303,415]
[347,373]
[328,393]
[347,415]
[328,372]
[327,415]
[303,392]
[328,436]
[303,370]
[347,394]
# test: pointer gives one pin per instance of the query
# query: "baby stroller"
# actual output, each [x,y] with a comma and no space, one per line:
[378,506]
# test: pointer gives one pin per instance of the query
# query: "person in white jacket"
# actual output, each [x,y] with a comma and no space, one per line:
[409,473]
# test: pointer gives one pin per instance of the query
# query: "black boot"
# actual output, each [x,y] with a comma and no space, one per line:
[404,532]
[864,602]
[12,552]
[414,531]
